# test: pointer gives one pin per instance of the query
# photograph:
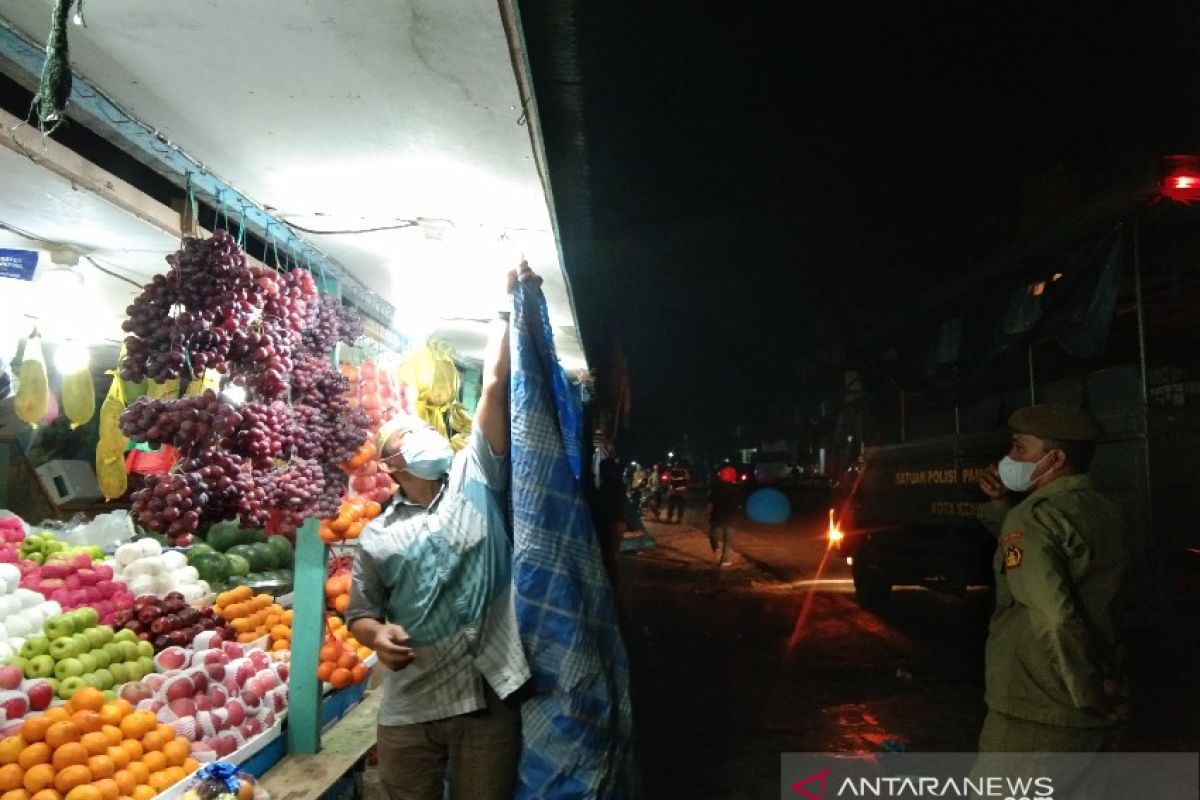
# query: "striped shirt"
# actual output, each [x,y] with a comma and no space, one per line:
[444,574]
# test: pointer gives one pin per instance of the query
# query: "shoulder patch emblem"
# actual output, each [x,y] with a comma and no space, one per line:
[1011,536]
[1012,556]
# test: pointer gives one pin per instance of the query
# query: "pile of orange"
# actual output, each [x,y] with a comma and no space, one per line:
[337,592]
[251,615]
[281,634]
[92,749]
[352,517]
[341,664]
[341,632]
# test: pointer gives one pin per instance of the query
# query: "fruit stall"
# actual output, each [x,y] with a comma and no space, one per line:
[221,297]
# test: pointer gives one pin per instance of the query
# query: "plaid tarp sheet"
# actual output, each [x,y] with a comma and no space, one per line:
[577,722]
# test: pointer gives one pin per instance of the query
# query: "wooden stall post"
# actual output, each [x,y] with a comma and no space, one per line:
[308,633]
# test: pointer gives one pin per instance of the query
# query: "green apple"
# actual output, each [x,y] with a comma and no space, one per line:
[120,672]
[106,678]
[68,668]
[102,658]
[95,637]
[95,551]
[85,643]
[94,680]
[135,671]
[106,632]
[20,662]
[146,663]
[129,650]
[145,649]
[64,647]
[110,694]
[59,625]
[36,645]
[40,667]
[85,617]
[68,687]
[115,653]
[54,682]
[124,635]
[89,663]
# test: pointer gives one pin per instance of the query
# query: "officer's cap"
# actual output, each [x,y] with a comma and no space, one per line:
[1056,422]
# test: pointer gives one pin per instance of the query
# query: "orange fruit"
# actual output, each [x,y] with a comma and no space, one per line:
[138,724]
[144,792]
[57,714]
[160,780]
[108,788]
[38,778]
[111,713]
[342,603]
[10,749]
[34,754]
[96,743]
[140,772]
[153,741]
[61,733]
[125,706]
[112,735]
[281,632]
[72,776]
[281,645]
[11,777]
[15,794]
[347,660]
[330,653]
[125,780]
[134,748]
[325,671]
[119,757]
[167,732]
[84,791]
[71,753]
[101,767]
[88,698]
[155,761]
[340,678]
[287,616]
[359,673]
[47,794]
[176,751]
[87,721]
[179,773]
[190,765]
[34,728]
[364,653]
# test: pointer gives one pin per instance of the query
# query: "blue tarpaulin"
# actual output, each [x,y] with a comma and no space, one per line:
[577,722]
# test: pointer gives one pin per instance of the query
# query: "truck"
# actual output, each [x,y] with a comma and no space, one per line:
[905,510]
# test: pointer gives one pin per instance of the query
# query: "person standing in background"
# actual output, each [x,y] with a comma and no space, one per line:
[677,488]
[724,499]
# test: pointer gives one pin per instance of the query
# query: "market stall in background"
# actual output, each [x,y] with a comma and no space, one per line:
[190,385]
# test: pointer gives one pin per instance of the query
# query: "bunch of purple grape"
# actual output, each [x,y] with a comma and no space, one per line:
[295,489]
[320,337]
[171,502]
[350,324]
[180,323]
[186,423]
[266,431]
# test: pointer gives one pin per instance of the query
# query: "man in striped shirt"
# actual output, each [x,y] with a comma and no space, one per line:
[432,595]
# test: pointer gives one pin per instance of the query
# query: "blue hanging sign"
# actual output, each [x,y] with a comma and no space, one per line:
[19,264]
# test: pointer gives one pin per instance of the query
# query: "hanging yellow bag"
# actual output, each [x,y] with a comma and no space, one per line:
[33,393]
[79,397]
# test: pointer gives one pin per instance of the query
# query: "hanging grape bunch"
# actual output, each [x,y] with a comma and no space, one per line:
[270,333]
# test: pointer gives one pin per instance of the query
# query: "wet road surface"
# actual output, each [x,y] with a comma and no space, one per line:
[732,666]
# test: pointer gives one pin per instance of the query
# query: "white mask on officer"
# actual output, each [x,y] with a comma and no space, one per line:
[1017,476]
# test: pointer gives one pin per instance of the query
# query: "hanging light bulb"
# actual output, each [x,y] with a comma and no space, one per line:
[71,357]
[62,304]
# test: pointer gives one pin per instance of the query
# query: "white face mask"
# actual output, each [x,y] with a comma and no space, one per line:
[1017,476]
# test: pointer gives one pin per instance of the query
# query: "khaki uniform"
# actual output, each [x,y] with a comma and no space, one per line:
[1053,636]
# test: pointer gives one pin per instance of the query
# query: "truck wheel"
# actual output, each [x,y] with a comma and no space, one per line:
[872,589]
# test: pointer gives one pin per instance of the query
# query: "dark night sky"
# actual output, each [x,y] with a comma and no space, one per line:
[756,168]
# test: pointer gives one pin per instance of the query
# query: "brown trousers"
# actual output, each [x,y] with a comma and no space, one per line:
[480,749]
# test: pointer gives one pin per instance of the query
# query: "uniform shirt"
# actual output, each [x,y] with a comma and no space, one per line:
[1053,634]
[679,480]
[444,574]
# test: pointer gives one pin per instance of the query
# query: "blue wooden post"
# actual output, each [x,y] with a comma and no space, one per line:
[308,633]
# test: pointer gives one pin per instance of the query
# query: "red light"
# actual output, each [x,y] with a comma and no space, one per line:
[1181,179]
[666,476]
